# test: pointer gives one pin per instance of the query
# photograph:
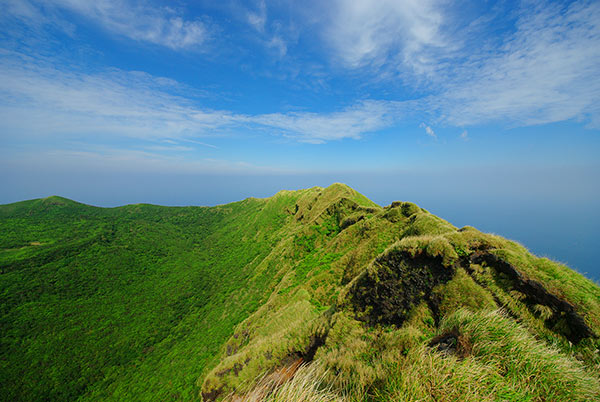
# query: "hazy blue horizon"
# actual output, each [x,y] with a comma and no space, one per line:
[552,212]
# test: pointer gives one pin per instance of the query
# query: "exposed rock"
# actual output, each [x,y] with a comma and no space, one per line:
[536,293]
[212,395]
[396,283]
[351,220]
[452,342]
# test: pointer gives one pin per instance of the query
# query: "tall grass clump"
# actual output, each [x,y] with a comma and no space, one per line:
[494,359]
[306,385]
[525,365]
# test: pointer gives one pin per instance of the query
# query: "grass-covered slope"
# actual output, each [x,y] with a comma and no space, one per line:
[315,294]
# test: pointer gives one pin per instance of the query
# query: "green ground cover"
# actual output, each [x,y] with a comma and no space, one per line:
[145,302]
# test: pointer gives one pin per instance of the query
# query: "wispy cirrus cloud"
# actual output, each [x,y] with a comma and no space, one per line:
[162,26]
[542,67]
[23,10]
[258,18]
[379,32]
[547,71]
[351,122]
[428,130]
[272,34]
[39,99]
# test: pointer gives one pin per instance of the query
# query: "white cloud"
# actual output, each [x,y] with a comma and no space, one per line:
[134,20]
[258,18]
[23,10]
[464,135]
[428,130]
[547,71]
[375,32]
[278,44]
[274,35]
[28,20]
[37,99]
[352,122]
[204,144]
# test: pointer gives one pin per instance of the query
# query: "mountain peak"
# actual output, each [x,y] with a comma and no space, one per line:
[57,200]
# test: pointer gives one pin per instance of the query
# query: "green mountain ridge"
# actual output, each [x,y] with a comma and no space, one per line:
[316,294]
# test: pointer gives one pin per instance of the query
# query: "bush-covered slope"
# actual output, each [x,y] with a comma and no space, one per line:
[315,293]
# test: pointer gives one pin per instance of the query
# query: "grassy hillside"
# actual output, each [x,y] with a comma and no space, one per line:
[316,293]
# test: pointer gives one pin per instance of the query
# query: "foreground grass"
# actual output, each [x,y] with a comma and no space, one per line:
[504,362]
[495,360]
[308,384]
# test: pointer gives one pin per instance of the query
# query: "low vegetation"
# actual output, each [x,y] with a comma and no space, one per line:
[315,294]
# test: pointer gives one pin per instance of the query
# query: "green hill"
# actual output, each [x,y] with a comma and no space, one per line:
[315,294]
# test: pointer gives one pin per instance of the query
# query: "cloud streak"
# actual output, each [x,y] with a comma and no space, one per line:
[547,71]
[376,32]
[352,122]
[428,130]
[40,100]
[543,69]
[133,20]
[258,18]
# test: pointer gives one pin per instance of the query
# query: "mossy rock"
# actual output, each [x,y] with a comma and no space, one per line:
[395,283]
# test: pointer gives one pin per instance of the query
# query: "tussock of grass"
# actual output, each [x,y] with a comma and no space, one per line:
[433,246]
[506,363]
[525,364]
[307,385]
[423,223]
[462,292]
[423,375]
[274,333]
[358,358]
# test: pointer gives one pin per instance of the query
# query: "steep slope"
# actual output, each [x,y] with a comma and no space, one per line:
[130,302]
[397,304]
[159,303]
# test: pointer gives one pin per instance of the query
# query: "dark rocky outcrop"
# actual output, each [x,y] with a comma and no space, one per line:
[398,282]
[213,394]
[576,328]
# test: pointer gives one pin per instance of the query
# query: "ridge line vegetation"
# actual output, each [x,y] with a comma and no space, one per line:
[316,293]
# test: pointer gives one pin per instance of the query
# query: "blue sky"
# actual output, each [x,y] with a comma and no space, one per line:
[203,102]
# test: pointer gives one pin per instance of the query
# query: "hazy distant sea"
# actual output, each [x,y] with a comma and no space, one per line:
[554,212]
[571,237]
